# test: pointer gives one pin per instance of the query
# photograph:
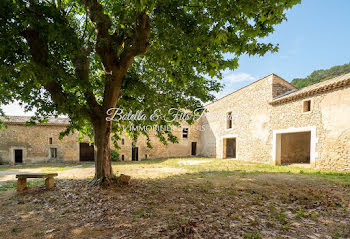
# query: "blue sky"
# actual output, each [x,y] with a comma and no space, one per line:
[315,36]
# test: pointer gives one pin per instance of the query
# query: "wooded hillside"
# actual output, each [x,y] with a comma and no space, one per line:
[321,75]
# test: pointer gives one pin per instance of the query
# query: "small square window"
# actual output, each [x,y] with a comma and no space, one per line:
[185,133]
[229,120]
[50,140]
[53,153]
[123,141]
[307,106]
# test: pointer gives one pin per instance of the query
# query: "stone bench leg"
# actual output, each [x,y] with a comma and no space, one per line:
[49,183]
[21,184]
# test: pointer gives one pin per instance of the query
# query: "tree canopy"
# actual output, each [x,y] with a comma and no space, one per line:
[82,57]
[321,75]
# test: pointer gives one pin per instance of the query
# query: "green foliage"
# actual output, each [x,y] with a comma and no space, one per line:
[114,155]
[321,75]
[253,235]
[58,58]
[13,185]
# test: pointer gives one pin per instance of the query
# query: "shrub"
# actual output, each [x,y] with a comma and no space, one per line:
[114,155]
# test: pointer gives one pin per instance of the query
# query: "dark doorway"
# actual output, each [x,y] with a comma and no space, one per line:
[295,147]
[194,149]
[135,154]
[231,148]
[18,156]
[87,152]
[53,153]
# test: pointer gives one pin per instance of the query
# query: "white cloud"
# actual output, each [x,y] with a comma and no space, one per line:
[232,78]
[234,81]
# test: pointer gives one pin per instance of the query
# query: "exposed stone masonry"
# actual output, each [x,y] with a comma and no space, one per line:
[266,115]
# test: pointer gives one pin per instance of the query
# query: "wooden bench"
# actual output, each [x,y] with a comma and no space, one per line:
[22,180]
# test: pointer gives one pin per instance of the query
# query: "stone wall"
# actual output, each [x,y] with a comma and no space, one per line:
[251,122]
[330,114]
[35,145]
[258,127]
[34,141]
[280,87]
[159,150]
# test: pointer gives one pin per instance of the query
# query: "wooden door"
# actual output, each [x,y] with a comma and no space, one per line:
[87,152]
[135,154]
[194,149]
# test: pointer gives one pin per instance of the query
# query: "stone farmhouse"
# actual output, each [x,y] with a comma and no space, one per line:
[268,121]
[36,144]
[275,123]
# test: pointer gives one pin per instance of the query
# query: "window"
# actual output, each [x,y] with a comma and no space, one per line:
[50,140]
[53,153]
[229,120]
[185,133]
[122,157]
[123,142]
[307,106]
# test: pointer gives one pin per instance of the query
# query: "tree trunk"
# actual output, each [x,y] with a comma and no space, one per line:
[103,166]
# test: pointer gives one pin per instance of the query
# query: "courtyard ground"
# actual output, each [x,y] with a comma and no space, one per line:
[179,198]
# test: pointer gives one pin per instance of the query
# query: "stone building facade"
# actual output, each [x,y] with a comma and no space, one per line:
[274,123]
[321,112]
[188,145]
[36,144]
[268,121]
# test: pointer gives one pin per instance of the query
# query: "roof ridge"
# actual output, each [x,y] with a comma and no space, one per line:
[285,81]
[271,74]
[323,86]
[18,119]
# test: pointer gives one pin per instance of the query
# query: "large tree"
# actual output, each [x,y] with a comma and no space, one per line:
[82,57]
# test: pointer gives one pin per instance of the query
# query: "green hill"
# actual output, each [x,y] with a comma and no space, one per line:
[321,75]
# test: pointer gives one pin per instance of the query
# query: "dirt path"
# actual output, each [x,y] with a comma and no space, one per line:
[75,173]
[88,172]
[8,175]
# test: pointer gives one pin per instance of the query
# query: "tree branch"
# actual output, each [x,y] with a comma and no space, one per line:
[82,68]
[108,46]
[39,50]
[85,26]
[102,23]
[138,44]
[38,46]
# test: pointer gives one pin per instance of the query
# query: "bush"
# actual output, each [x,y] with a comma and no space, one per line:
[114,155]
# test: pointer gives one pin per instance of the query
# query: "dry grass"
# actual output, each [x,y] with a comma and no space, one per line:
[170,199]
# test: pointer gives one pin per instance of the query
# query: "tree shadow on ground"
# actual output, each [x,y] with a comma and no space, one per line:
[156,160]
[211,204]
